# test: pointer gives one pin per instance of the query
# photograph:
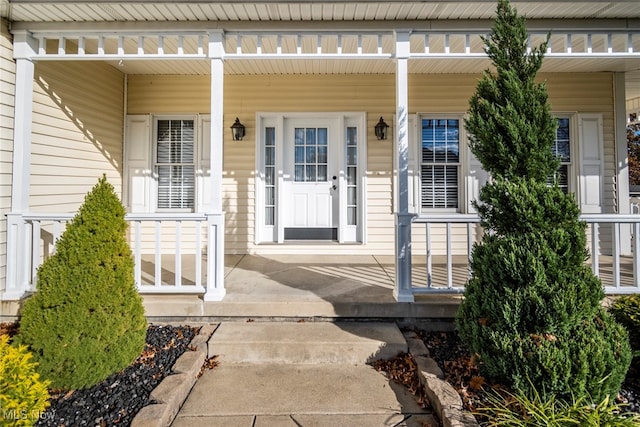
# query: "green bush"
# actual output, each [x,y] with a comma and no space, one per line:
[23,396]
[518,410]
[532,308]
[87,319]
[626,310]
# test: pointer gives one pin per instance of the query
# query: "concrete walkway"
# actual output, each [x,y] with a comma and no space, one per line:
[301,374]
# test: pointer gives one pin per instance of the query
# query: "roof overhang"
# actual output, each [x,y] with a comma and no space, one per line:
[304,10]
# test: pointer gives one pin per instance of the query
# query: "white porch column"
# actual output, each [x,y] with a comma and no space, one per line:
[622,163]
[215,259]
[17,272]
[402,291]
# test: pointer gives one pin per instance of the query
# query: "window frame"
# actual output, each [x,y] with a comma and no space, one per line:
[154,161]
[460,164]
[573,152]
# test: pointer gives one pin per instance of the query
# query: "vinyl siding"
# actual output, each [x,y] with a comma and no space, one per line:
[7,91]
[77,132]
[246,96]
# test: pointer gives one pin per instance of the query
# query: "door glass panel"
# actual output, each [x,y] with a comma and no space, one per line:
[270,175]
[310,155]
[352,175]
[322,173]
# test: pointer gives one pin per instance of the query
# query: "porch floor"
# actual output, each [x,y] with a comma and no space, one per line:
[308,286]
[322,287]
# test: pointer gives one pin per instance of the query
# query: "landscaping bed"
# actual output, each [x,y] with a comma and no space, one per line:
[117,399]
[462,373]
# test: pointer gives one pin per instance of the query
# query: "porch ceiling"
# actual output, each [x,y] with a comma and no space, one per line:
[303,10]
[365,66]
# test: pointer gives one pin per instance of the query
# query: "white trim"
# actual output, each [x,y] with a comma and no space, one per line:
[287,43]
[591,161]
[402,290]
[22,128]
[216,41]
[275,233]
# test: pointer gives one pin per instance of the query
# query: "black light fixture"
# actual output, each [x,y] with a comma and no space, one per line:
[382,130]
[237,130]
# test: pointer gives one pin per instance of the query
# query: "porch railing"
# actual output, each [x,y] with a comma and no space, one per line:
[612,240]
[173,253]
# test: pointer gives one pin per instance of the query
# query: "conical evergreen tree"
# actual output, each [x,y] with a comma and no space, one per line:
[532,308]
[87,320]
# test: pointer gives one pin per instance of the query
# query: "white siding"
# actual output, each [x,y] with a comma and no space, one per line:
[7,90]
[77,132]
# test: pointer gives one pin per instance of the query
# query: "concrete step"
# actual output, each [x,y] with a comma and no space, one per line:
[306,343]
[246,395]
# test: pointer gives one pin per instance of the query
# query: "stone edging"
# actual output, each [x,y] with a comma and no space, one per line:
[446,402]
[171,393]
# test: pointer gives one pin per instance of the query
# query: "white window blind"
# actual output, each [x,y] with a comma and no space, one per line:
[175,164]
[440,161]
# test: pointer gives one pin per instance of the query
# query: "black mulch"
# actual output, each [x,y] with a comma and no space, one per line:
[116,400]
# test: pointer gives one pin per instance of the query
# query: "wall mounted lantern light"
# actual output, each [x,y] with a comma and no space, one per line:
[382,130]
[237,130]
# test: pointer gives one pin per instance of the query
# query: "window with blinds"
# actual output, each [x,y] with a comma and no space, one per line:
[440,163]
[175,163]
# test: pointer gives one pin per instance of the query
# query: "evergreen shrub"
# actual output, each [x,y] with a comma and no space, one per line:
[626,310]
[23,395]
[86,321]
[532,308]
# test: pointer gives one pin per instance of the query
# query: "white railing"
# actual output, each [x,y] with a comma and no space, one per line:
[91,44]
[173,253]
[612,242]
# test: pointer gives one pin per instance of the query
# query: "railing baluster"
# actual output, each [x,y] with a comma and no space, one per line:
[158,255]
[137,251]
[449,258]
[616,255]
[62,46]
[595,249]
[636,255]
[178,254]
[200,45]
[198,260]
[36,235]
[56,235]
[469,248]
[429,259]
[180,45]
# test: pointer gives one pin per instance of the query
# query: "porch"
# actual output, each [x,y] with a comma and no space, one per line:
[328,287]
[304,287]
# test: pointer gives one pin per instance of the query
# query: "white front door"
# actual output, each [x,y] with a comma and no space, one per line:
[311,179]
